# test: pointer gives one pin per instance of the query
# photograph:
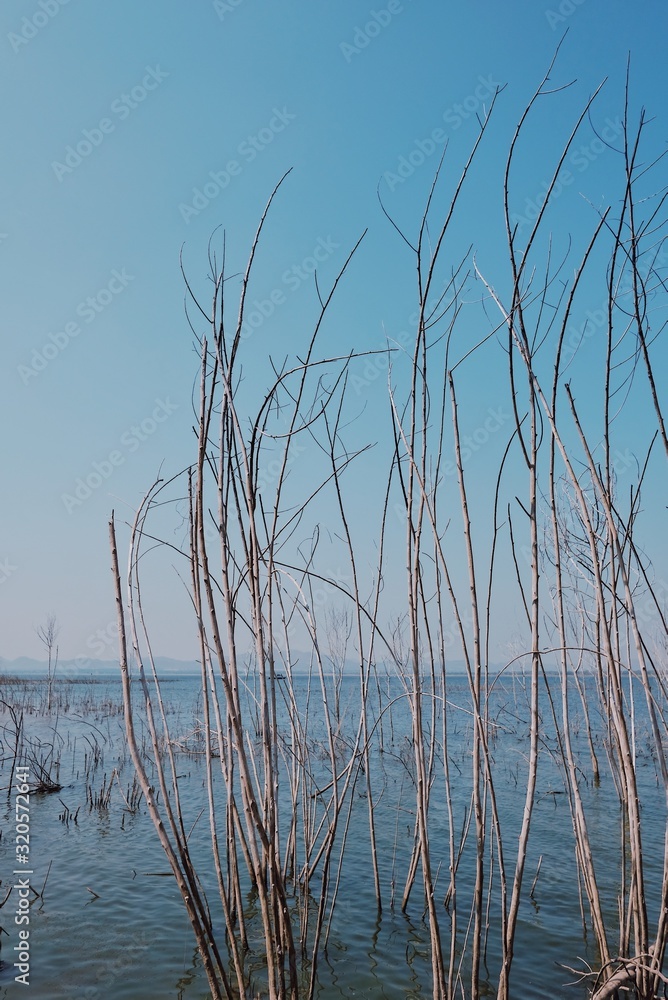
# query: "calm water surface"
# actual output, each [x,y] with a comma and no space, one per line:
[132,940]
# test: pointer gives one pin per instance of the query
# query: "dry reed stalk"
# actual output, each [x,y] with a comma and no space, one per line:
[288,805]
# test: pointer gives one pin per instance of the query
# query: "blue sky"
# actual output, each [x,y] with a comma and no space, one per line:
[184,116]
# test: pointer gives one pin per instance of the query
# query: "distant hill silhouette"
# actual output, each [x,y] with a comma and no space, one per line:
[84,667]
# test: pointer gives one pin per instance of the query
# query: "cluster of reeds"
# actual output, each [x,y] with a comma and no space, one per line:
[279,783]
[42,757]
[67,815]
[100,799]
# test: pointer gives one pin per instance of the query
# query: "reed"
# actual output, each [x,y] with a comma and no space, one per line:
[280,795]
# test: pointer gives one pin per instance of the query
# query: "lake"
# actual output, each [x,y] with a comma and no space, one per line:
[111,923]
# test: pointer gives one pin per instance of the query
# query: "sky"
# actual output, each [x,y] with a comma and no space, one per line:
[135,133]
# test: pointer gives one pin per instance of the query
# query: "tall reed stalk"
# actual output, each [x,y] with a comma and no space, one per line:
[280,798]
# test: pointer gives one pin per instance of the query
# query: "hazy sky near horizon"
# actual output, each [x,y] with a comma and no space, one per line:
[134,130]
